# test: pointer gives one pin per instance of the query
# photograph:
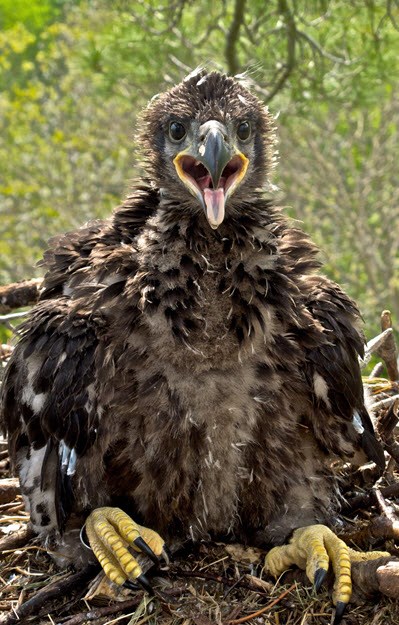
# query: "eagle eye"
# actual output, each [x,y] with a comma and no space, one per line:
[244,131]
[177,132]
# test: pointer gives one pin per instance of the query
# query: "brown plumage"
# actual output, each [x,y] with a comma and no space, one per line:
[188,365]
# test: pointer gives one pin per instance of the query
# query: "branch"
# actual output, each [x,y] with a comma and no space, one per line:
[368,499]
[390,14]
[19,294]
[9,489]
[171,14]
[290,27]
[233,36]
[388,351]
[368,578]
[323,53]
[374,346]
[16,540]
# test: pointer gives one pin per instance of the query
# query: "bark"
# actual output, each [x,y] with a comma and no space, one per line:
[19,295]
[9,489]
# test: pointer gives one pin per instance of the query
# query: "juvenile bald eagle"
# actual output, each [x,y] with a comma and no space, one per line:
[186,368]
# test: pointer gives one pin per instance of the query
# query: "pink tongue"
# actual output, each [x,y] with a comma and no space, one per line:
[214,200]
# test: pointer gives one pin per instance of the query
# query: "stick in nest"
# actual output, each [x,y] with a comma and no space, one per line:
[59,588]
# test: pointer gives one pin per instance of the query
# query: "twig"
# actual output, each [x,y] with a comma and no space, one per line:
[59,588]
[365,500]
[11,316]
[377,370]
[386,509]
[386,426]
[392,448]
[385,402]
[98,613]
[270,605]
[374,346]
[4,451]
[214,578]
[379,528]
[390,13]
[389,420]
[16,540]
[324,53]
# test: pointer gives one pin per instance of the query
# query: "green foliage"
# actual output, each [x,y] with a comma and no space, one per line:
[5,334]
[35,13]
[75,73]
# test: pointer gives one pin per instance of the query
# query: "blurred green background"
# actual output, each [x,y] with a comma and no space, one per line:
[75,73]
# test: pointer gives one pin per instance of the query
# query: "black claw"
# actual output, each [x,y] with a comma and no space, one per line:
[319,578]
[167,554]
[339,612]
[83,538]
[143,581]
[131,585]
[142,545]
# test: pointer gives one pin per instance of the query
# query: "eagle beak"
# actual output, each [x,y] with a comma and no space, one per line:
[212,170]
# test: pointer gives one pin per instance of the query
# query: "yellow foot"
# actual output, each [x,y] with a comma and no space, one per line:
[112,534]
[312,549]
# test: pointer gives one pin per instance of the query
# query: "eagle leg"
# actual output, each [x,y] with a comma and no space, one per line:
[112,534]
[312,548]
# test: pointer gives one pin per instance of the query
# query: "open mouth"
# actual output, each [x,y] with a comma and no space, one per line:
[198,179]
[201,177]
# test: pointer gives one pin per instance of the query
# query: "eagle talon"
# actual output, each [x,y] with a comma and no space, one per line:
[319,578]
[112,534]
[313,548]
[143,581]
[83,538]
[339,612]
[131,585]
[142,545]
[166,554]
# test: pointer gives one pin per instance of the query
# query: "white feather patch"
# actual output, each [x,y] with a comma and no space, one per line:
[357,422]
[321,388]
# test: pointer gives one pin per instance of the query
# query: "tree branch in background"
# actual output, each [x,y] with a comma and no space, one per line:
[320,51]
[19,294]
[233,64]
[289,65]
[388,351]
[172,11]
[390,5]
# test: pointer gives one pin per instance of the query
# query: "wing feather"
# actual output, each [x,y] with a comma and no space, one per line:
[334,374]
[48,394]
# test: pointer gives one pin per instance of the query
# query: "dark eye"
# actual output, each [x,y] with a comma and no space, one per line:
[244,131]
[177,132]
